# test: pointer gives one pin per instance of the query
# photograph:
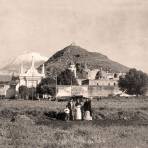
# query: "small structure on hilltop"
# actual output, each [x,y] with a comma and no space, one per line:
[31,78]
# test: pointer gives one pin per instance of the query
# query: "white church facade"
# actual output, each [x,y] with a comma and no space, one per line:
[30,78]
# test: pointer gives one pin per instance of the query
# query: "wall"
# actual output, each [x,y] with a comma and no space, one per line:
[101,82]
[85,90]
[79,90]
[146,93]
[63,90]
[105,91]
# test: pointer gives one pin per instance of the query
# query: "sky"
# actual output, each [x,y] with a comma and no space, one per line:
[116,28]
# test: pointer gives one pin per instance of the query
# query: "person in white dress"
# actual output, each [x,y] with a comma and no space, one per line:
[78,112]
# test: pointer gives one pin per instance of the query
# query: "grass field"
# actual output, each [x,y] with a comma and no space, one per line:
[117,123]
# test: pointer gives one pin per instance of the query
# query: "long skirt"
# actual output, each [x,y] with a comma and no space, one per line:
[71,114]
[78,113]
[87,115]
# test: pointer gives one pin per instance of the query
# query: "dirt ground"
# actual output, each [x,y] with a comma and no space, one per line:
[117,123]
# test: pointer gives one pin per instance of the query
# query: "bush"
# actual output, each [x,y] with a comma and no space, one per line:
[23,91]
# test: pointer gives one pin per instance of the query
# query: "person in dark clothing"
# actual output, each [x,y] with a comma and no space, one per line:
[71,107]
[87,105]
[87,108]
[77,102]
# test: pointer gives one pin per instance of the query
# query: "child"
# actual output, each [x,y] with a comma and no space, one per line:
[67,113]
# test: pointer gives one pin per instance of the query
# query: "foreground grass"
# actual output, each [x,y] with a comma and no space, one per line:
[31,129]
[21,134]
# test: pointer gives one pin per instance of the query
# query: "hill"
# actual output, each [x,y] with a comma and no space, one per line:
[25,59]
[61,60]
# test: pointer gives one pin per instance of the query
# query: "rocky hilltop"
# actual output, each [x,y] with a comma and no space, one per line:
[76,54]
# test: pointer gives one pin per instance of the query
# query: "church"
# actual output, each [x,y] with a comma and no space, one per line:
[30,78]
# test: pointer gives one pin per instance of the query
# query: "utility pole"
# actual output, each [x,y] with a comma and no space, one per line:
[56,88]
[32,66]
[32,87]
[71,84]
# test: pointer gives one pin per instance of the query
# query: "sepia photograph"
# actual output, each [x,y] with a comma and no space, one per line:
[73,74]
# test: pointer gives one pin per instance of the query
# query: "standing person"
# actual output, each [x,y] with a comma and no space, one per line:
[67,113]
[87,110]
[70,105]
[78,112]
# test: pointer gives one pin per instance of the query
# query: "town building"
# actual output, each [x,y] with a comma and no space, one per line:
[100,82]
[7,86]
[96,82]
[4,87]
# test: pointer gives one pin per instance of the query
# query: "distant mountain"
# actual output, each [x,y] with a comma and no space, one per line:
[25,59]
[61,60]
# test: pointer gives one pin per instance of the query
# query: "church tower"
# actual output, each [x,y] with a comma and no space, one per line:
[32,64]
[72,67]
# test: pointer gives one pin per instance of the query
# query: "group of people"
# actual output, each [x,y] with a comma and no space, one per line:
[78,110]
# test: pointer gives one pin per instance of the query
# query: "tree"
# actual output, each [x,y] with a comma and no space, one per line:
[47,86]
[14,78]
[10,93]
[66,78]
[23,91]
[98,75]
[134,83]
